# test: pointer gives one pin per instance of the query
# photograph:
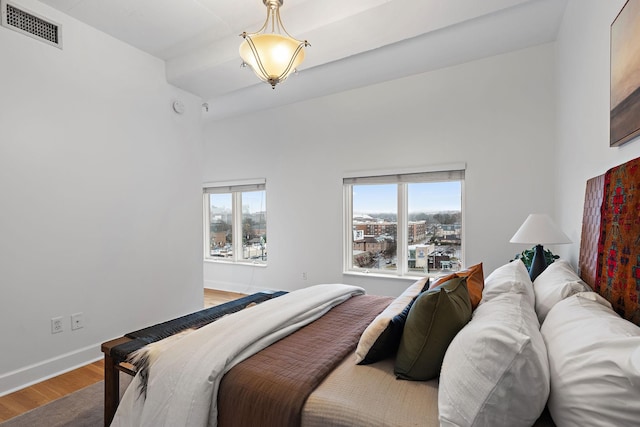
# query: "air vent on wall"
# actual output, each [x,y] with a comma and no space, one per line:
[18,19]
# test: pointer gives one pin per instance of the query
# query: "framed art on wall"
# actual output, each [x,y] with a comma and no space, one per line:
[625,74]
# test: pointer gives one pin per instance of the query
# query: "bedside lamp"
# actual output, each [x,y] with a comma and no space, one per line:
[539,229]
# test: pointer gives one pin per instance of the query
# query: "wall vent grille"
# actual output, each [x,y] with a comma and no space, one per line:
[30,24]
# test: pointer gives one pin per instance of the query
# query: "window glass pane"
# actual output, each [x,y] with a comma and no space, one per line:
[221,219]
[254,225]
[375,221]
[434,227]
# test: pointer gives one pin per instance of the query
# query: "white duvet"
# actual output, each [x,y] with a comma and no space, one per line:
[183,381]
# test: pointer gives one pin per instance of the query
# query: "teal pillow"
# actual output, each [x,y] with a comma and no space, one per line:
[435,318]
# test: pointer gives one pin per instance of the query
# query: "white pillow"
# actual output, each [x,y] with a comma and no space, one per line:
[495,371]
[557,282]
[593,361]
[635,366]
[380,323]
[512,277]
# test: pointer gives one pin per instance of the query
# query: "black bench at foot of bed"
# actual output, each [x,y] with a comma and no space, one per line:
[116,351]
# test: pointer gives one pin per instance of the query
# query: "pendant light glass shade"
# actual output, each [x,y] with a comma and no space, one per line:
[272,56]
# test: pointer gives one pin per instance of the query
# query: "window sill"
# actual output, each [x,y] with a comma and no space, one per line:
[245,263]
[382,275]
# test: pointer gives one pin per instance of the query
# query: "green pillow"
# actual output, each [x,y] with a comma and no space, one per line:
[433,321]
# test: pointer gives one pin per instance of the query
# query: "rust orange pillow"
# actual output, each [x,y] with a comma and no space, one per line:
[475,282]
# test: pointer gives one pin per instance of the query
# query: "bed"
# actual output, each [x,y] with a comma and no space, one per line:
[463,350]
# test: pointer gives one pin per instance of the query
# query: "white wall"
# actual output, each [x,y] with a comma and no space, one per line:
[582,61]
[496,114]
[100,180]
[101,197]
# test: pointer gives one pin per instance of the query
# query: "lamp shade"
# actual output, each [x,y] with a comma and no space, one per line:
[273,56]
[540,229]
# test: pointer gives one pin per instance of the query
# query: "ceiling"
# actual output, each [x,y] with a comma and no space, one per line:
[353,42]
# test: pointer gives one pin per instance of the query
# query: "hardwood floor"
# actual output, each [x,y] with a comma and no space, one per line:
[47,391]
[214,297]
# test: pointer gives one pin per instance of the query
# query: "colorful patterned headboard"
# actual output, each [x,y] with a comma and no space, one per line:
[610,244]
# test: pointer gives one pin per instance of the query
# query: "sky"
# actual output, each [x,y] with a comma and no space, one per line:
[253,200]
[423,197]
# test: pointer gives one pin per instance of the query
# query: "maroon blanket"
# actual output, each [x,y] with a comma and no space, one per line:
[271,387]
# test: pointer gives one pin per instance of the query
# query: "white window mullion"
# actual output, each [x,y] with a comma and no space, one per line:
[463,246]
[402,249]
[236,228]
[348,227]
[206,226]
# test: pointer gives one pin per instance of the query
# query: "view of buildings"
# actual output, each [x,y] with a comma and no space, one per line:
[434,243]
[253,231]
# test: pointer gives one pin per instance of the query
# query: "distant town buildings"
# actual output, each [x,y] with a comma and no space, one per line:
[254,233]
[432,246]
[417,230]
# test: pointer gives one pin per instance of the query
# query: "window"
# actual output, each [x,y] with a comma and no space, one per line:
[407,224]
[235,223]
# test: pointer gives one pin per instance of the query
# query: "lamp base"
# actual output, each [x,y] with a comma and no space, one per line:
[538,263]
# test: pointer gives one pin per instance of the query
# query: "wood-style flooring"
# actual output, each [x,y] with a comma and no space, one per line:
[47,391]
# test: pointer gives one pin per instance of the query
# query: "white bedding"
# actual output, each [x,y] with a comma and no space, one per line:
[183,382]
[371,396]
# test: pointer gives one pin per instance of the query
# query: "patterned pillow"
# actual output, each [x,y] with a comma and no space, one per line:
[475,282]
[382,337]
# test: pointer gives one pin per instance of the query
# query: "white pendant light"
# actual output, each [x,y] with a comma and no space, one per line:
[272,55]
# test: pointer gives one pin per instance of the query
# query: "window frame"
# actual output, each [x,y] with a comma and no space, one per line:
[403,178]
[235,188]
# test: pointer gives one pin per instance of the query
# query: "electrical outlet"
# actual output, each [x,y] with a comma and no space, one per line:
[304,275]
[77,322]
[56,325]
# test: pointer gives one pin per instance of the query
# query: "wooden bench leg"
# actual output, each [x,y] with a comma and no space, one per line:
[111,389]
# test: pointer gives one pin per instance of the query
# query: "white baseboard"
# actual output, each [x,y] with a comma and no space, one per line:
[37,372]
